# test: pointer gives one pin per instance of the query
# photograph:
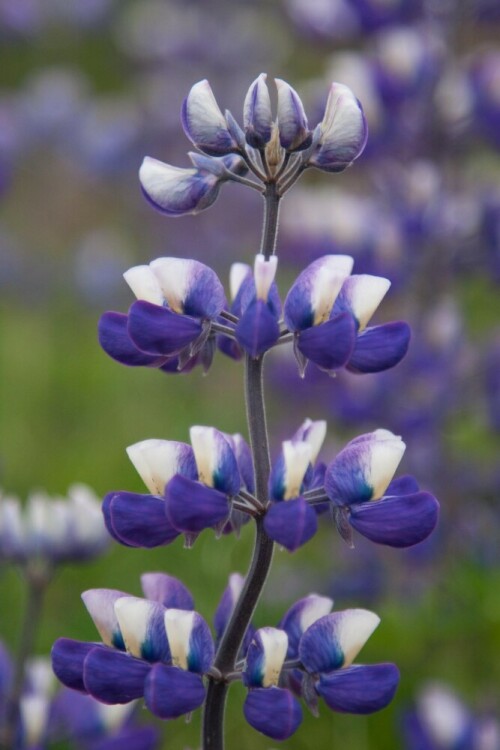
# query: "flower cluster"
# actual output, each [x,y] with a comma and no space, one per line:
[281,148]
[181,310]
[210,485]
[159,648]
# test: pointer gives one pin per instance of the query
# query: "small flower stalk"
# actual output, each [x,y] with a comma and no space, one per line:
[157,648]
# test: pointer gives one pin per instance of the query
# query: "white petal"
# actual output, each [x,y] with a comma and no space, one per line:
[156,462]
[133,615]
[297,458]
[174,276]
[365,293]
[237,275]
[275,645]
[386,452]
[179,625]
[353,630]
[144,284]
[264,273]
[313,608]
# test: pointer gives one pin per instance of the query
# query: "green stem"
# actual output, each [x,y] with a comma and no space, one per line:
[271,216]
[230,645]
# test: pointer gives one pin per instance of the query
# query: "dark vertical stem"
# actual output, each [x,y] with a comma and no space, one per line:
[227,654]
[35,596]
[271,216]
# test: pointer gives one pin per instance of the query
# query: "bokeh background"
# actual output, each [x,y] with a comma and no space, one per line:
[86,90]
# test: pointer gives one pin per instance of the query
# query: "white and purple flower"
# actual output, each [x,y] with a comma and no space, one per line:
[191,486]
[359,482]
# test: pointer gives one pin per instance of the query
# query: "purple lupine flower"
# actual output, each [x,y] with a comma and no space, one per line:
[327,650]
[170,324]
[358,482]
[138,520]
[441,721]
[328,310]
[133,638]
[271,710]
[290,520]
[52,529]
[191,489]
[97,726]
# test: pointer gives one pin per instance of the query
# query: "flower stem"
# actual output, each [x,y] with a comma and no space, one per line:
[227,654]
[37,582]
[271,215]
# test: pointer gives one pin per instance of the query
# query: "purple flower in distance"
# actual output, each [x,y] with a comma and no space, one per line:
[170,324]
[358,482]
[51,528]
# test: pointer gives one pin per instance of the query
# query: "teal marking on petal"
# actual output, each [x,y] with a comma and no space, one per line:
[117,640]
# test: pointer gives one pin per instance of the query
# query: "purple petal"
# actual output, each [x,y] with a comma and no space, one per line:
[257,116]
[140,521]
[160,331]
[258,329]
[132,738]
[330,344]
[301,616]
[215,459]
[363,469]
[397,521]
[175,191]
[404,485]
[204,123]
[114,339]
[335,640]
[342,133]
[114,677]
[311,297]
[359,689]
[167,590]
[106,504]
[142,623]
[292,121]
[291,523]
[243,454]
[68,657]
[171,692]
[190,287]
[273,711]
[227,603]
[192,507]
[380,347]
